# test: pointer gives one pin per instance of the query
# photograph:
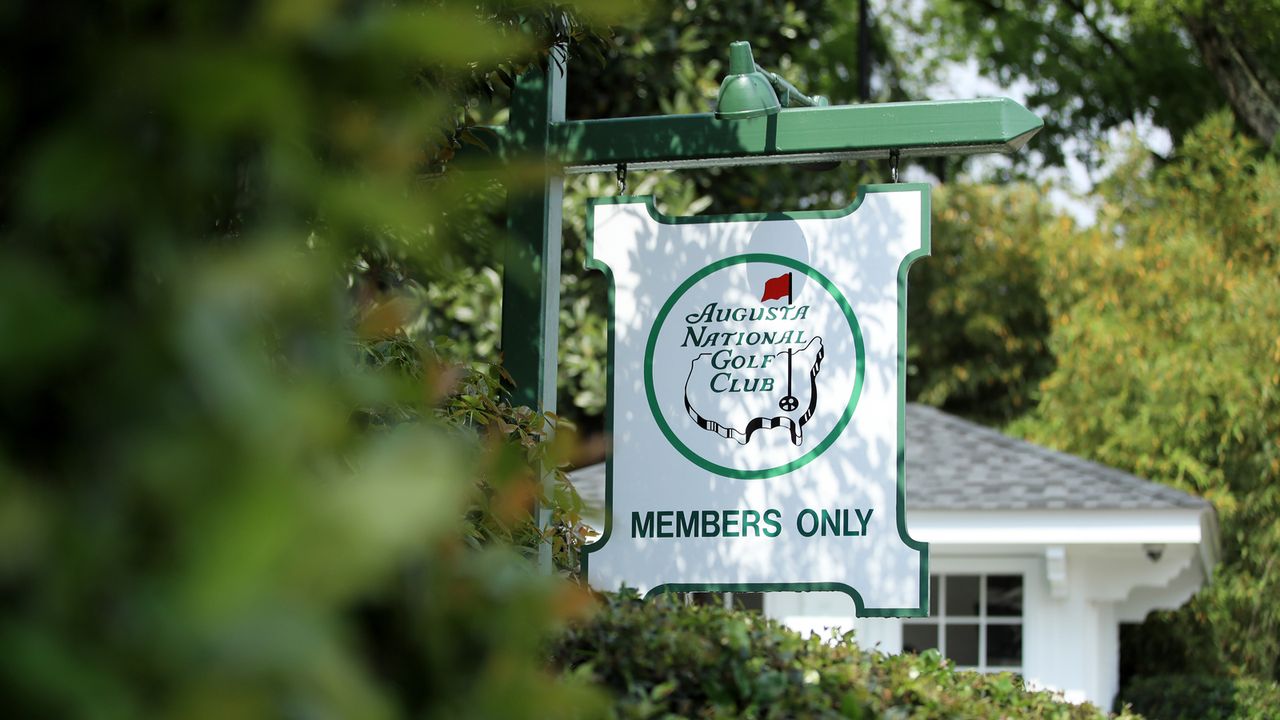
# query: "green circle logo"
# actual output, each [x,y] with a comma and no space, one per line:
[769,356]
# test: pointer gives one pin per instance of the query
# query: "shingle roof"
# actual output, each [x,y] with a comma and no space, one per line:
[954,464]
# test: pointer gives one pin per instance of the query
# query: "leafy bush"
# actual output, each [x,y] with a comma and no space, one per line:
[1201,697]
[661,657]
[233,482]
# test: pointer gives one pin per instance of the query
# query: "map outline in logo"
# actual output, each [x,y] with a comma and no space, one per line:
[788,404]
[835,432]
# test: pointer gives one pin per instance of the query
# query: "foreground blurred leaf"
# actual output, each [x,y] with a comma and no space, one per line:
[236,477]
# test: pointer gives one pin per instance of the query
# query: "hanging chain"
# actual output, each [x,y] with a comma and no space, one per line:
[622,178]
[894,156]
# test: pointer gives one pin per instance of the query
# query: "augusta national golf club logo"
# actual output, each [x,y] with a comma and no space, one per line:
[754,365]
[769,387]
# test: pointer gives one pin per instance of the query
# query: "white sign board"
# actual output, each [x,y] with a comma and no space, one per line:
[756,400]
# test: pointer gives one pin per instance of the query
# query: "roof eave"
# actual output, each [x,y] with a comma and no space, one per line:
[1069,527]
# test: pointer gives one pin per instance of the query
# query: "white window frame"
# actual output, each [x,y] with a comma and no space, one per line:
[982,620]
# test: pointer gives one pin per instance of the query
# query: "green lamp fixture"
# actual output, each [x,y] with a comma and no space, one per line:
[745,92]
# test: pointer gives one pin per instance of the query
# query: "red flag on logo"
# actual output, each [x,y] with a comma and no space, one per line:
[779,287]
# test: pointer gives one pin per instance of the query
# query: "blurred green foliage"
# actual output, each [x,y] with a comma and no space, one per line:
[1199,697]
[237,478]
[661,658]
[1166,336]
[979,325]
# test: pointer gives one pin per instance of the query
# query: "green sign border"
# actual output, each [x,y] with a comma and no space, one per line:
[860,366]
[860,607]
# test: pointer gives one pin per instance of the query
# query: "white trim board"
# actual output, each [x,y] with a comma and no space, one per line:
[1057,527]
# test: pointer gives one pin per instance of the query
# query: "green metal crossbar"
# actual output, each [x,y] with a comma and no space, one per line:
[795,135]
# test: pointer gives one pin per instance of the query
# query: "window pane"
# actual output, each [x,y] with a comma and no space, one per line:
[705,598]
[1004,595]
[1004,645]
[753,602]
[933,595]
[962,643]
[962,595]
[918,638]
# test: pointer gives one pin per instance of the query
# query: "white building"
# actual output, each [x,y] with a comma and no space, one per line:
[1036,557]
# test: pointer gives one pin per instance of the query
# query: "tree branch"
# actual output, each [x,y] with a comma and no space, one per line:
[1249,87]
[1101,35]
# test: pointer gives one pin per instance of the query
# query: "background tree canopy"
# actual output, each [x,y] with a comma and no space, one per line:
[1093,66]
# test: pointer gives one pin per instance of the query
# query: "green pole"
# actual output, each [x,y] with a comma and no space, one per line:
[531,262]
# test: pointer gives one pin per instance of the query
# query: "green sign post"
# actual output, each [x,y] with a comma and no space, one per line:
[761,120]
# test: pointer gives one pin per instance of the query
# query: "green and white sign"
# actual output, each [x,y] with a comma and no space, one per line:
[756,400]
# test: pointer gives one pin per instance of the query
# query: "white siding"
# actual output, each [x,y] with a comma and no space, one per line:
[1071,642]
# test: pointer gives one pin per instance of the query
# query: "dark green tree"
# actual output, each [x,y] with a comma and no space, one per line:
[1093,66]
[977,320]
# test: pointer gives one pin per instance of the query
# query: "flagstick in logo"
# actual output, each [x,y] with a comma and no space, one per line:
[774,289]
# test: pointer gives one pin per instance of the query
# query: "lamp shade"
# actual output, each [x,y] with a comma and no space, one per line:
[745,93]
